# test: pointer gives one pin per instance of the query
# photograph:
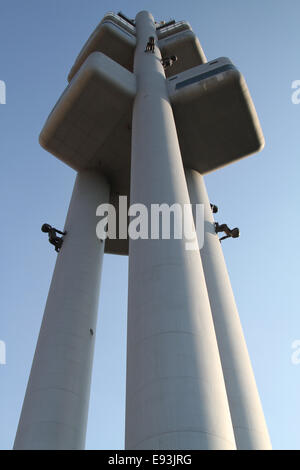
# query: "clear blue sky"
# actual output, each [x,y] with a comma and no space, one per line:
[39,41]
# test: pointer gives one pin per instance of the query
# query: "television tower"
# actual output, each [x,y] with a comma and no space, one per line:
[146,116]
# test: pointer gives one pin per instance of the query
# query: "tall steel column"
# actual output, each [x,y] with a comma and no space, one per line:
[55,409]
[175,395]
[246,412]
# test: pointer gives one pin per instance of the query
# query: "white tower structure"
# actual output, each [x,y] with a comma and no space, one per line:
[130,126]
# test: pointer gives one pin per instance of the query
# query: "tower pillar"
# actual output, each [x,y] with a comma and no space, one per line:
[55,408]
[175,392]
[246,411]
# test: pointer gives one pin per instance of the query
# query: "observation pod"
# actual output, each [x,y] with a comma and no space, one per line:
[90,126]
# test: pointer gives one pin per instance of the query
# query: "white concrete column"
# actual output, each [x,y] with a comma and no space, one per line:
[175,394]
[55,409]
[246,411]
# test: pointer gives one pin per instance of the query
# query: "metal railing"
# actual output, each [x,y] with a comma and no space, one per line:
[175,28]
[110,16]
